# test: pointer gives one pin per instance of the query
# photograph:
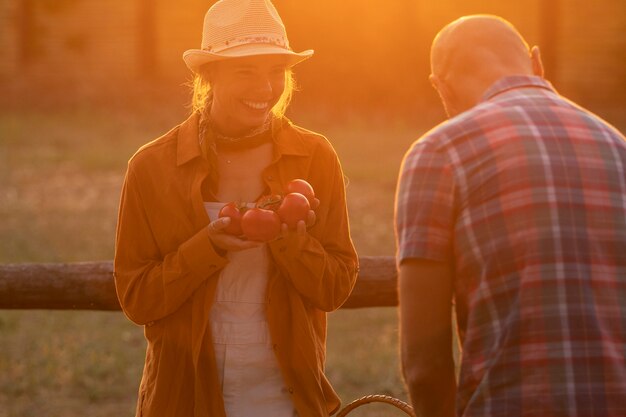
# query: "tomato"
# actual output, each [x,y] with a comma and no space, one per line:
[233,211]
[302,187]
[295,207]
[269,202]
[260,225]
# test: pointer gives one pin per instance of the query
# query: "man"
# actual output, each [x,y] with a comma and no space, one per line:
[515,209]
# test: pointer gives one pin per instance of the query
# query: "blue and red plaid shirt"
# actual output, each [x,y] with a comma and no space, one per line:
[525,195]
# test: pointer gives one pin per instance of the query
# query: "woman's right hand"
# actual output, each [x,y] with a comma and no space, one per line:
[225,241]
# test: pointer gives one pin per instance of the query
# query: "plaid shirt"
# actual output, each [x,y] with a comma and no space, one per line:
[525,195]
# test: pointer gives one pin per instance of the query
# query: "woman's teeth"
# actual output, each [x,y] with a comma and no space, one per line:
[256,105]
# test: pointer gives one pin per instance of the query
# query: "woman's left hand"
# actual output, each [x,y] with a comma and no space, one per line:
[302,225]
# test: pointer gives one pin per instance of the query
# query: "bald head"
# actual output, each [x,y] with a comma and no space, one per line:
[471,53]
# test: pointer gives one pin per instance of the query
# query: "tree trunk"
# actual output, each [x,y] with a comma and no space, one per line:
[26,29]
[550,27]
[146,38]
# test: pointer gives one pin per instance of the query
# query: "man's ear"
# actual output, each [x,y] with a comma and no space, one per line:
[433,80]
[439,86]
[535,58]
[445,94]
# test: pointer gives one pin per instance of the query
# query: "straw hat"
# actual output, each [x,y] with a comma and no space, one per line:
[240,28]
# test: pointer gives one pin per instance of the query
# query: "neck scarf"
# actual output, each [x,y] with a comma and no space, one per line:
[211,141]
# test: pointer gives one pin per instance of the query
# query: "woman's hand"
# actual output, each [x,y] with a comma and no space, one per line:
[302,225]
[225,241]
[228,242]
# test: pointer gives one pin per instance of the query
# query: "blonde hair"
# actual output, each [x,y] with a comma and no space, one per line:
[201,92]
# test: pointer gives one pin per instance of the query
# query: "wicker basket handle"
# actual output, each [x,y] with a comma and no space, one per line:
[377,399]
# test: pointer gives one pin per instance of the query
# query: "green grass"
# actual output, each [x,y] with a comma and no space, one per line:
[61,171]
[68,363]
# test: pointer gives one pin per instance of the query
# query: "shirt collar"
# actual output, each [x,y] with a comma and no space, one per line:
[288,143]
[285,142]
[188,147]
[516,81]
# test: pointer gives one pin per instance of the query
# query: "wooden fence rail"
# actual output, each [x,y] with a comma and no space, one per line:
[89,285]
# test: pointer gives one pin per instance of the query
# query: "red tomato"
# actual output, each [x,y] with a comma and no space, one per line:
[295,207]
[269,202]
[232,210]
[302,187]
[260,225]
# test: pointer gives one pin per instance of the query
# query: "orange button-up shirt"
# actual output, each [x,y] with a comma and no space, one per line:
[166,271]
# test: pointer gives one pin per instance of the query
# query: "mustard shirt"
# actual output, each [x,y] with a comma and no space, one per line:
[166,272]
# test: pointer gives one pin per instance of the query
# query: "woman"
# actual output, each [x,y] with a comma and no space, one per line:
[234,327]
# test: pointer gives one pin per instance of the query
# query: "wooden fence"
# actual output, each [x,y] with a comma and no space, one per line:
[89,285]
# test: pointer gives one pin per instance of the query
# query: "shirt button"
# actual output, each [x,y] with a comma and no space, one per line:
[270,177]
[275,346]
[150,323]
[290,390]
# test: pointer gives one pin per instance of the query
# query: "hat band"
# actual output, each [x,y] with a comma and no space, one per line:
[279,41]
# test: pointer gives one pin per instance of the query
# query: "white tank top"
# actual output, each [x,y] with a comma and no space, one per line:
[252,384]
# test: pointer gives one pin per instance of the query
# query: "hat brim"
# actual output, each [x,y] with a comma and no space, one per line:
[195,58]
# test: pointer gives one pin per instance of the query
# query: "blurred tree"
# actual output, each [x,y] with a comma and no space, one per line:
[549,19]
[146,37]
[26,32]
[29,27]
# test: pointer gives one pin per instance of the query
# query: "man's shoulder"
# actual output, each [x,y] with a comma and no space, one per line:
[480,120]
[446,133]
[453,135]
[432,144]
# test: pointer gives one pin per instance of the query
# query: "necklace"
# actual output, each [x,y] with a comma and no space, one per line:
[237,147]
[207,124]
[223,139]
[258,136]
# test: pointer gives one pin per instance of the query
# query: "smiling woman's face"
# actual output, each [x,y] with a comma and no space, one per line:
[245,90]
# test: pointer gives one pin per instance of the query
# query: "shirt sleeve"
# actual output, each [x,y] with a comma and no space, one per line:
[322,265]
[151,285]
[425,205]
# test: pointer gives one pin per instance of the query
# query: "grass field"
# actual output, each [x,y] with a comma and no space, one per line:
[60,174]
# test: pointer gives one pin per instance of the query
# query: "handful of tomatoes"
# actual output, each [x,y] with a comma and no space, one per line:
[262,223]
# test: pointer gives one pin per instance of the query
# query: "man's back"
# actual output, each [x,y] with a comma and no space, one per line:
[528,199]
